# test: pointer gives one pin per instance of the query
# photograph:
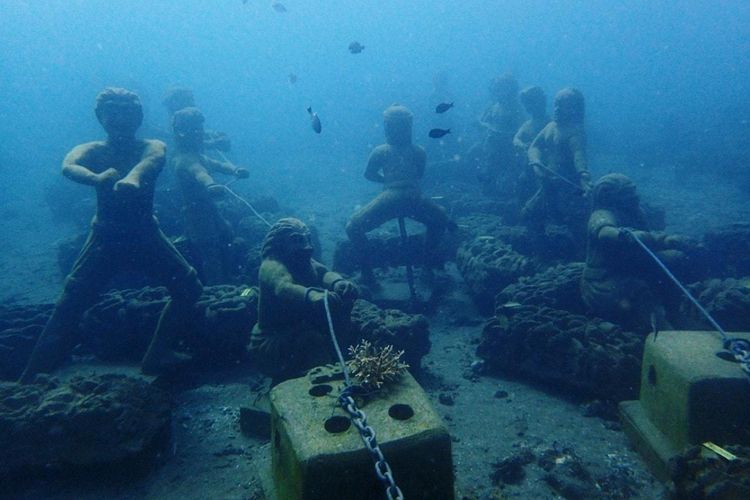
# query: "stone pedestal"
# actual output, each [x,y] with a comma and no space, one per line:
[317,453]
[688,396]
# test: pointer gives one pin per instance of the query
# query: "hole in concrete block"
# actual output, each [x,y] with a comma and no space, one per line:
[651,375]
[320,390]
[337,424]
[401,412]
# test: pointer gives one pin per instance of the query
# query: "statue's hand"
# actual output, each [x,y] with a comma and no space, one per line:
[586,185]
[126,186]
[108,177]
[625,234]
[316,298]
[347,290]
[242,173]
[679,242]
[216,190]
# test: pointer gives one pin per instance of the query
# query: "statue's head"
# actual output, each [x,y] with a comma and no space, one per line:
[177,98]
[569,106]
[288,241]
[504,88]
[398,125]
[119,111]
[187,125]
[534,100]
[616,192]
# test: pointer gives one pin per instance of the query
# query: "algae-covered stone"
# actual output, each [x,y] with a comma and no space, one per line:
[405,332]
[584,355]
[88,421]
[20,326]
[728,302]
[488,265]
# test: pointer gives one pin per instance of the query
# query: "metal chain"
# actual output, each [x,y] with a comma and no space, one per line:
[367,433]
[382,469]
[739,348]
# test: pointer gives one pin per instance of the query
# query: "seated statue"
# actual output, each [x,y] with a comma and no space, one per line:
[398,165]
[620,282]
[291,335]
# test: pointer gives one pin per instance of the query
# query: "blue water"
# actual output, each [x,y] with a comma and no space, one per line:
[636,62]
[666,86]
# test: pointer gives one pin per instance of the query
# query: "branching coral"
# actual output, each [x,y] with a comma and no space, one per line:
[375,366]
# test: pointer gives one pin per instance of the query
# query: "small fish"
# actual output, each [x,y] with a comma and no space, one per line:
[356,47]
[314,121]
[437,133]
[292,78]
[485,238]
[278,7]
[443,107]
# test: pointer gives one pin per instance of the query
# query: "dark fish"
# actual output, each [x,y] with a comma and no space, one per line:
[443,107]
[356,47]
[314,121]
[278,7]
[437,133]
[292,78]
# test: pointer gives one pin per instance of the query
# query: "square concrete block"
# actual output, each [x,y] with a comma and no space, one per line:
[688,396]
[317,453]
[689,393]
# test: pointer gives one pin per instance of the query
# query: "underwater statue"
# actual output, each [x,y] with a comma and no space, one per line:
[498,164]
[534,102]
[291,334]
[124,236]
[209,233]
[558,158]
[620,281]
[398,165]
[177,98]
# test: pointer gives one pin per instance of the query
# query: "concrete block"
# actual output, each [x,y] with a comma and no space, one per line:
[688,396]
[650,442]
[317,452]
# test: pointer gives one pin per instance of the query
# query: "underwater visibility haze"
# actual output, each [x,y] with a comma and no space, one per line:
[476,254]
